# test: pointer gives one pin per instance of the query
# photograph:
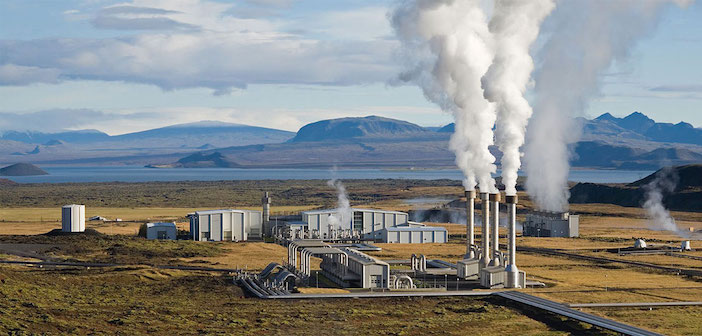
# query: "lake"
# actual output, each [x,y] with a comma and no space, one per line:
[141,174]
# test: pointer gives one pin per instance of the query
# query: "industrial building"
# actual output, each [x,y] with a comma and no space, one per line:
[414,235]
[161,231]
[73,218]
[225,225]
[551,224]
[362,224]
[345,266]
[362,270]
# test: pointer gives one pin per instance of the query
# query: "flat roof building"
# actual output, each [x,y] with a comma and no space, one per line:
[225,225]
[414,235]
[551,224]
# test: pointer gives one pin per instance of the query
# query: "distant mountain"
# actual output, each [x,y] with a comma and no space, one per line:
[22,169]
[194,135]
[191,135]
[646,128]
[346,128]
[83,136]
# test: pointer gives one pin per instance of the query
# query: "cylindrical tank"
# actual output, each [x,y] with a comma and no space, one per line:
[73,218]
[685,246]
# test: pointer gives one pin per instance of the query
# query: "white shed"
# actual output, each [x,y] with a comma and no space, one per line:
[225,225]
[161,231]
[73,218]
[368,222]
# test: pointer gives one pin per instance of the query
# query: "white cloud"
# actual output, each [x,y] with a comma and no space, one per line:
[197,43]
[12,74]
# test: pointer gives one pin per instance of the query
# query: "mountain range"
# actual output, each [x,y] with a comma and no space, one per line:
[632,142]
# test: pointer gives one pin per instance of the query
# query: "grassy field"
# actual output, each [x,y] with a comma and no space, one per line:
[139,299]
[132,301]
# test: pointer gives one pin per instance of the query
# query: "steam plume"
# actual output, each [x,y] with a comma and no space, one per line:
[586,37]
[665,181]
[343,206]
[448,47]
[515,26]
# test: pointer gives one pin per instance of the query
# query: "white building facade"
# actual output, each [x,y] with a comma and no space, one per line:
[161,231]
[225,225]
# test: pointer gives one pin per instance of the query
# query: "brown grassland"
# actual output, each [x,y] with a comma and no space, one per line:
[141,299]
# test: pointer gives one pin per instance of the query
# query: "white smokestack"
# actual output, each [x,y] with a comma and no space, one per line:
[448,46]
[586,37]
[515,26]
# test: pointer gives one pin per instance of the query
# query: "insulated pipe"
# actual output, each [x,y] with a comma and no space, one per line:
[511,269]
[485,261]
[470,224]
[495,222]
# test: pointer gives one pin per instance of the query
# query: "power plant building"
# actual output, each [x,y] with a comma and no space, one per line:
[366,222]
[361,270]
[414,235]
[161,231]
[551,224]
[225,225]
[73,218]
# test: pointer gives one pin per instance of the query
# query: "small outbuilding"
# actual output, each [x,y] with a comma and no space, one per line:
[161,231]
[73,218]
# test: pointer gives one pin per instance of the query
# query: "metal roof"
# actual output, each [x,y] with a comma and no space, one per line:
[214,212]
[329,211]
[362,258]
[417,229]
[148,225]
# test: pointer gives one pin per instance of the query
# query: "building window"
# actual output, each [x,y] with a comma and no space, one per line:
[162,235]
[204,236]
[358,221]
[227,235]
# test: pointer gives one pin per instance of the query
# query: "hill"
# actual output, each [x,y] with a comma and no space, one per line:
[32,137]
[686,197]
[22,169]
[346,128]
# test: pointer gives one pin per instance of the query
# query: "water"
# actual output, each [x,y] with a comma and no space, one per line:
[141,174]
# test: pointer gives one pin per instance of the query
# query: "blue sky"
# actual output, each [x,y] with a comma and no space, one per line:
[132,65]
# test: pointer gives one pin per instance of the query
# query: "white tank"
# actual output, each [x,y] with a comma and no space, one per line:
[685,246]
[73,218]
[640,244]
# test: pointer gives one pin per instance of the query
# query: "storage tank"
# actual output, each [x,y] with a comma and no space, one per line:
[685,246]
[640,243]
[73,218]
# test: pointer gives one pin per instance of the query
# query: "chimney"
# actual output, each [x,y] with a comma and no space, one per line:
[470,224]
[511,269]
[485,255]
[495,222]
[266,202]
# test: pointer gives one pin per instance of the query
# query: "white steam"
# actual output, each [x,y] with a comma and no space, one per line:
[585,37]
[343,213]
[515,26]
[448,48]
[659,217]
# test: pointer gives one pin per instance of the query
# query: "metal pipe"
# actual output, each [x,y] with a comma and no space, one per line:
[495,222]
[485,260]
[511,269]
[470,224]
